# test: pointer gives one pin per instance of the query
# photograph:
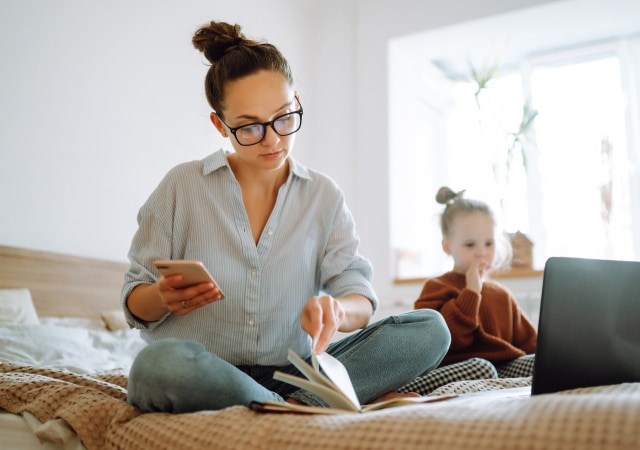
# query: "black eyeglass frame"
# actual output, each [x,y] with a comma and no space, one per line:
[265,125]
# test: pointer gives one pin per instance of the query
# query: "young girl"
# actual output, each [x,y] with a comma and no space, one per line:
[490,335]
[281,242]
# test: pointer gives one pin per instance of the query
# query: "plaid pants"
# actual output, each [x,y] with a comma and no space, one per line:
[470,369]
[519,367]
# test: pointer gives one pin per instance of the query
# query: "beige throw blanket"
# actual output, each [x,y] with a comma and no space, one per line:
[96,408]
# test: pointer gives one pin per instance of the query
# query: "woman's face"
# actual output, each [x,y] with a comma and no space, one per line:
[260,97]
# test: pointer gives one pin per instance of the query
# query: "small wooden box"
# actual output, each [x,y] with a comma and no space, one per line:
[522,251]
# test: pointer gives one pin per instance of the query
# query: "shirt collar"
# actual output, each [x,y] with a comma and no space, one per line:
[218,160]
[214,162]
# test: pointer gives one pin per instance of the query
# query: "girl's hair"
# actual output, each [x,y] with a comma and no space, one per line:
[457,204]
[233,56]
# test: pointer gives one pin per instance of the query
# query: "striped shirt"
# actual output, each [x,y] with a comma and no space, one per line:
[309,245]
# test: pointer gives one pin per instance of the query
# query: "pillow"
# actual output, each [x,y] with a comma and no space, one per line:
[16,307]
[114,319]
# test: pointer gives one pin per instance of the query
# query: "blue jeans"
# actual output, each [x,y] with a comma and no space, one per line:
[177,376]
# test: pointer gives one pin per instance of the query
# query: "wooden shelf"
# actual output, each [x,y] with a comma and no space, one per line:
[518,273]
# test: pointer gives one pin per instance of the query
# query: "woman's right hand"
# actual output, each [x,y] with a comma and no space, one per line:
[182,301]
[151,302]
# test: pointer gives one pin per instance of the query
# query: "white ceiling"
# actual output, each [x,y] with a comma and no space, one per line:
[527,32]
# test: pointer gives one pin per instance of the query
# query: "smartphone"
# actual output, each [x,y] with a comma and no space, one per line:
[193,272]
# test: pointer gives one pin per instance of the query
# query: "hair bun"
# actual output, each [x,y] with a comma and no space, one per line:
[446,195]
[216,39]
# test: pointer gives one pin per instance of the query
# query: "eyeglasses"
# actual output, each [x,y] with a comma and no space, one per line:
[253,133]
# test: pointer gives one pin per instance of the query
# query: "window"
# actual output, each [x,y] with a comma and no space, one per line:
[570,181]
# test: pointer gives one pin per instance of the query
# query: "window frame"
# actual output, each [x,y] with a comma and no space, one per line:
[401,81]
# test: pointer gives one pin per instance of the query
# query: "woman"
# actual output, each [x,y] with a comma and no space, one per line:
[282,244]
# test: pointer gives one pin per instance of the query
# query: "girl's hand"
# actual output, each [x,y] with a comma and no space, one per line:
[182,301]
[475,275]
[322,317]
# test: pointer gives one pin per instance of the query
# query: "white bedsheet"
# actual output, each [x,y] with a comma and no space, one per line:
[79,350]
[26,433]
[15,433]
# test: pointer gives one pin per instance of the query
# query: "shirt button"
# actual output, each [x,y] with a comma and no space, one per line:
[254,273]
[252,322]
[270,232]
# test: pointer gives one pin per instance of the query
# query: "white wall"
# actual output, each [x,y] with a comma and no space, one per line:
[99,99]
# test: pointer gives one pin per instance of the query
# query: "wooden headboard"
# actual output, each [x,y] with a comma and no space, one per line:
[63,285]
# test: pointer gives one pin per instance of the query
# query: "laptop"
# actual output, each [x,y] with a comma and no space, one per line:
[589,325]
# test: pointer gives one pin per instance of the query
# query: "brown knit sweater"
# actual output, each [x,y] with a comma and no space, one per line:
[489,325]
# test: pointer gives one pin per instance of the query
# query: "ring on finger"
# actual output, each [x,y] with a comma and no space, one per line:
[184,303]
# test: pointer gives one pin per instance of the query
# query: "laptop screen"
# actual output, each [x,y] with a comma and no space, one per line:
[589,327]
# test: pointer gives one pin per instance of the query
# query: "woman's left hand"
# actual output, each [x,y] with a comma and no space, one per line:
[322,317]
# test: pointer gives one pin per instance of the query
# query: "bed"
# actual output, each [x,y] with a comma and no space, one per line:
[63,378]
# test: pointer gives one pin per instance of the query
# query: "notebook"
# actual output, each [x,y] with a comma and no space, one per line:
[589,325]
